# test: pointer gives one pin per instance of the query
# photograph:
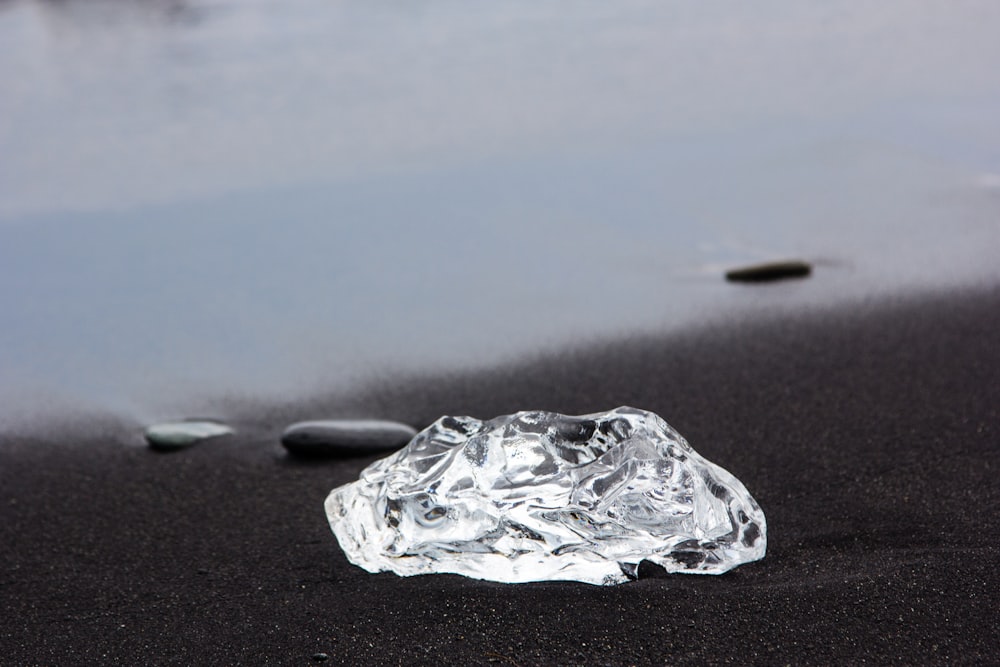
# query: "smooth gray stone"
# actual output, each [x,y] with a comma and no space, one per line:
[760,273]
[339,437]
[178,435]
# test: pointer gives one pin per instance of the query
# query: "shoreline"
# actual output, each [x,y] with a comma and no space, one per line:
[869,435]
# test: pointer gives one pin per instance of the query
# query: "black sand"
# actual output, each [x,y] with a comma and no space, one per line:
[869,435]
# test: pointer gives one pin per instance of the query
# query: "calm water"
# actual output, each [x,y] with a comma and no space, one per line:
[259,197]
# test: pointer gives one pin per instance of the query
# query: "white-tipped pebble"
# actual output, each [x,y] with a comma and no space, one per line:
[178,435]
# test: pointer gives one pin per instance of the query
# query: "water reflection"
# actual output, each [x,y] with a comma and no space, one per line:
[116,103]
[62,15]
[222,193]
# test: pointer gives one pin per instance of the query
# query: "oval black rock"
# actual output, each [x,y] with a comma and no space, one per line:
[345,437]
[760,273]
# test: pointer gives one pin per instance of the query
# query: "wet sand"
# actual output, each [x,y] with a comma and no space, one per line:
[868,433]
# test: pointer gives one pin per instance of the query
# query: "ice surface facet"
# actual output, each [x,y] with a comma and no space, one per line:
[539,496]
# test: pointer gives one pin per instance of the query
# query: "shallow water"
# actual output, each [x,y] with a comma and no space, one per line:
[211,197]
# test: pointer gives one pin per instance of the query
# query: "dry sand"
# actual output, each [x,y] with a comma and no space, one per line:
[868,433]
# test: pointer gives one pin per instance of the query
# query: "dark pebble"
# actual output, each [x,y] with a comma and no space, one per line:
[760,273]
[650,570]
[345,437]
[320,657]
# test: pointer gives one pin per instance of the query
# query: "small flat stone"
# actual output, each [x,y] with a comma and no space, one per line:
[320,657]
[345,437]
[178,435]
[759,273]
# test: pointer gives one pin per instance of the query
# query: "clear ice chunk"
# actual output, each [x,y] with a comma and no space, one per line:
[538,496]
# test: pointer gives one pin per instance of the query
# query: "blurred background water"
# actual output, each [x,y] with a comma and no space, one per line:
[201,197]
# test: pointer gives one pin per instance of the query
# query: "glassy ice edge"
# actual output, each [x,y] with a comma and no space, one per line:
[538,496]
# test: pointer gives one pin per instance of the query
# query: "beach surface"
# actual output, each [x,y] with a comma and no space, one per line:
[265,213]
[868,432]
